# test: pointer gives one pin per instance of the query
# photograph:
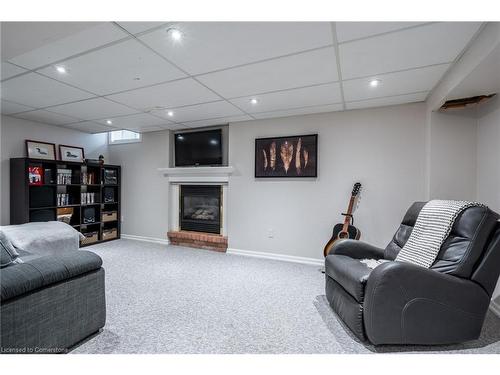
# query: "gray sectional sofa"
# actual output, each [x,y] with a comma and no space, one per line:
[50,303]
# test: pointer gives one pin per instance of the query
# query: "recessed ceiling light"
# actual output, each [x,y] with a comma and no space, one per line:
[374,82]
[254,101]
[175,34]
[109,122]
[170,113]
[61,69]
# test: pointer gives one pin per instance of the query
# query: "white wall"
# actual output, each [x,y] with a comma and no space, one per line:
[488,156]
[488,160]
[144,190]
[14,132]
[452,164]
[383,148]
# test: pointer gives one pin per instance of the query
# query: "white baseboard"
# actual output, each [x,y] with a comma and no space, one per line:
[146,239]
[255,254]
[495,307]
[286,258]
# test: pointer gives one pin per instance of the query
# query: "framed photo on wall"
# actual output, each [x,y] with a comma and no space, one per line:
[292,156]
[40,150]
[71,153]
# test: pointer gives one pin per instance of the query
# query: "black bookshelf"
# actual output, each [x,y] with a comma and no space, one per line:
[31,202]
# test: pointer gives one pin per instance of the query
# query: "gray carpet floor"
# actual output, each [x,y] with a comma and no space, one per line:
[167,299]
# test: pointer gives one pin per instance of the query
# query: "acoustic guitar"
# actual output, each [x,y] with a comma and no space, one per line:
[346,230]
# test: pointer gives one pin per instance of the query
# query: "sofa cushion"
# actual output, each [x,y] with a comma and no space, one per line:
[5,258]
[463,247]
[350,273]
[37,273]
[466,243]
[404,231]
[8,252]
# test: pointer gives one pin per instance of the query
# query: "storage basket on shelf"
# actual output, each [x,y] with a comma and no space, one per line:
[108,234]
[109,216]
[90,237]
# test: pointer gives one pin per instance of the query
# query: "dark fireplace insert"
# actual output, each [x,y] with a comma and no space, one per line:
[200,208]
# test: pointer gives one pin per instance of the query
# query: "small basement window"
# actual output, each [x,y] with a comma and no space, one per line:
[123,136]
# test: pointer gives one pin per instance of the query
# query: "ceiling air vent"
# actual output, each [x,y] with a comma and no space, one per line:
[466,102]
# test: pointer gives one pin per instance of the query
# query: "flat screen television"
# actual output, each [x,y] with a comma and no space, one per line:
[198,148]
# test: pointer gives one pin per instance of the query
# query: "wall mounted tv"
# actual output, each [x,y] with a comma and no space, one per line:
[198,148]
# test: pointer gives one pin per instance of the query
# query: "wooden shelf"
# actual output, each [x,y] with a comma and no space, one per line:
[36,202]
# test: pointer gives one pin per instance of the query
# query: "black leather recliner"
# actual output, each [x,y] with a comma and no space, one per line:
[402,303]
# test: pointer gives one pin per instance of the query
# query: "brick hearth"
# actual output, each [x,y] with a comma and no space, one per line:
[207,241]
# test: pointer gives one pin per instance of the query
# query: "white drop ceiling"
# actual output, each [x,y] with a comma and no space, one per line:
[130,75]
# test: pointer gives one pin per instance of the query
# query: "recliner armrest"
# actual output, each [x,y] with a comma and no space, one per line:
[357,249]
[406,303]
[37,273]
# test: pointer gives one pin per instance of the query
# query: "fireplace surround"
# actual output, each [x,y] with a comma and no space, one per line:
[181,177]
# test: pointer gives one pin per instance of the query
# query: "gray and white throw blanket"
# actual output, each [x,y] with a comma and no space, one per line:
[45,238]
[432,228]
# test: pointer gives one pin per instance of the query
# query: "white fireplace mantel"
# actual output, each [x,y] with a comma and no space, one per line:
[197,174]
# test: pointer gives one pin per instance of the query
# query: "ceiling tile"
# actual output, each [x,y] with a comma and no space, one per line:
[37,91]
[355,30]
[9,108]
[139,27]
[393,100]
[141,120]
[63,48]
[92,109]
[483,79]
[10,70]
[167,95]
[406,82]
[47,117]
[209,46]
[217,121]
[146,129]
[200,112]
[176,127]
[426,45]
[89,127]
[303,69]
[303,97]
[299,111]
[123,66]
[21,37]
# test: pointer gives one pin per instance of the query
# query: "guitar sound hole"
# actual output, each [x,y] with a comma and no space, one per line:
[343,235]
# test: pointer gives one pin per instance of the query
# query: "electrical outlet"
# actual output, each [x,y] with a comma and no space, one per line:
[270,233]
[123,218]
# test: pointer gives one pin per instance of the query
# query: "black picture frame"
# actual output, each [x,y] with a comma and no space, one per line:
[309,169]
[81,159]
[31,150]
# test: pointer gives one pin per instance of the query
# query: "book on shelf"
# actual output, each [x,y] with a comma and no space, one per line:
[110,177]
[64,176]
[88,178]
[35,175]
[62,199]
[87,198]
